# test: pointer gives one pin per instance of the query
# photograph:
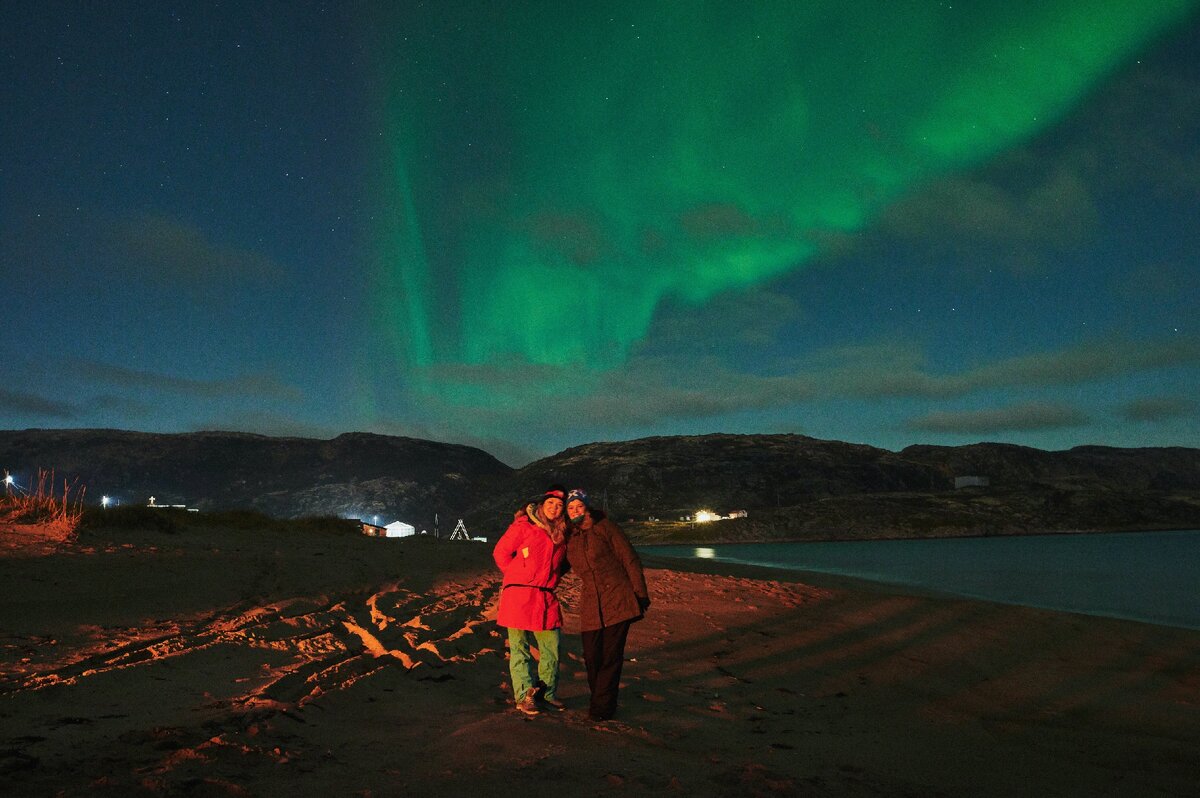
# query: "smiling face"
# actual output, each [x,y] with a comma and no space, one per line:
[552,508]
[575,509]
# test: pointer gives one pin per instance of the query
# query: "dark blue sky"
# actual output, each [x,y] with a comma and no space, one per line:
[526,228]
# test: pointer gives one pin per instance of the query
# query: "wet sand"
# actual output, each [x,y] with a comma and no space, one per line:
[232,663]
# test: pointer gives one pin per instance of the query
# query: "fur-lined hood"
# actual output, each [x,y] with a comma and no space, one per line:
[557,535]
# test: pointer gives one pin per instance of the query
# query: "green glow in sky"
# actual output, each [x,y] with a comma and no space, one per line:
[556,173]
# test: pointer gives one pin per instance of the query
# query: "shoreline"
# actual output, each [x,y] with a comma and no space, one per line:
[226,663]
[861,583]
[1103,598]
[966,536]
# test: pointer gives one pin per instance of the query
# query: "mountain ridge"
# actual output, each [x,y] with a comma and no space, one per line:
[793,486]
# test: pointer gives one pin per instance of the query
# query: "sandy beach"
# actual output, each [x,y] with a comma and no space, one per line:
[228,662]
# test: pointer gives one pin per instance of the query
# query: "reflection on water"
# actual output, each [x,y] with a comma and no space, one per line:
[1145,576]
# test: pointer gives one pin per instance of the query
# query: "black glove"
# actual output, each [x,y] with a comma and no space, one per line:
[643,603]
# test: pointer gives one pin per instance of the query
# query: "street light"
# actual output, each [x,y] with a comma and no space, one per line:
[105,501]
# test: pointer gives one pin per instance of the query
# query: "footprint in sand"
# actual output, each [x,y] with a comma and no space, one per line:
[333,642]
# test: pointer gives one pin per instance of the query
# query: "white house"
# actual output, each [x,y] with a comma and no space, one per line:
[399,529]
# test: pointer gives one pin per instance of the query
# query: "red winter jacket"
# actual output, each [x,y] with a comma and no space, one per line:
[532,564]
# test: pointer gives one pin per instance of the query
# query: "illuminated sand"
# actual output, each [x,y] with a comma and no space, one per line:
[229,663]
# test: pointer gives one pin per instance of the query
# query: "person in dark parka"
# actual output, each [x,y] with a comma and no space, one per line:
[613,595]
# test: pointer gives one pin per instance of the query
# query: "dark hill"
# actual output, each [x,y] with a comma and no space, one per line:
[1153,468]
[665,476]
[799,487]
[792,486]
[355,474]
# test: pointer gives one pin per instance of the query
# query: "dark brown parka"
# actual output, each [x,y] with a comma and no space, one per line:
[611,573]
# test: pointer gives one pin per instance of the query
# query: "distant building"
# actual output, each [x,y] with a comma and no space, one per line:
[373,530]
[738,514]
[971,482]
[399,529]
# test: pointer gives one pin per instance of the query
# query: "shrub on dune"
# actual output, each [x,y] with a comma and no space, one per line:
[42,512]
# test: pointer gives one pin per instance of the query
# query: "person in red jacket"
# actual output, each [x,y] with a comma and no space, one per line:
[612,596]
[531,556]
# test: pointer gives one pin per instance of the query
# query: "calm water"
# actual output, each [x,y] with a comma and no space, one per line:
[1144,576]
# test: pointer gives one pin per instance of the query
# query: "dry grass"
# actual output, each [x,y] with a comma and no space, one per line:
[43,506]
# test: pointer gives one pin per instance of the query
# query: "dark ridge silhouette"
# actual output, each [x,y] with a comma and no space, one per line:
[356,474]
[791,486]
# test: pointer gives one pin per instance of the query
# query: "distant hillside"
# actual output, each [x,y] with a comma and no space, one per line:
[673,475]
[792,486]
[353,474]
[799,487]
[1165,468]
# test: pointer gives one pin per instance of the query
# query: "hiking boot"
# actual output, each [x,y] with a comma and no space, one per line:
[528,704]
[554,704]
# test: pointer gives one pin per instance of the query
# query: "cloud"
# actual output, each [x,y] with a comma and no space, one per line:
[168,250]
[718,220]
[1017,226]
[1139,133]
[1091,361]
[577,237]
[648,393]
[750,318]
[898,370]
[505,373]
[28,404]
[1158,409]
[261,386]
[1158,281]
[154,249]
[1133,137]
[1016,418]
[652,390]
[119,404]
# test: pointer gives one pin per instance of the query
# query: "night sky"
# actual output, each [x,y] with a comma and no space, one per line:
[526,226]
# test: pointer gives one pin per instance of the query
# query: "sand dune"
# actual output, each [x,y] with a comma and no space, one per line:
[227,663]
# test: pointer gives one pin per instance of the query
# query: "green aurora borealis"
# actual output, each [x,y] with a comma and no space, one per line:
[555,172]
[530,225]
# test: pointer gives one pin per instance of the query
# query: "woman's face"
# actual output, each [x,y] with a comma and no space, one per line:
[575,509]
[552,508]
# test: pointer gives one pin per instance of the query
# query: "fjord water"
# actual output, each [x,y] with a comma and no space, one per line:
[1142,576]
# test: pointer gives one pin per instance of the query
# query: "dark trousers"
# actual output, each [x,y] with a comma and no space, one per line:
[604,654]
